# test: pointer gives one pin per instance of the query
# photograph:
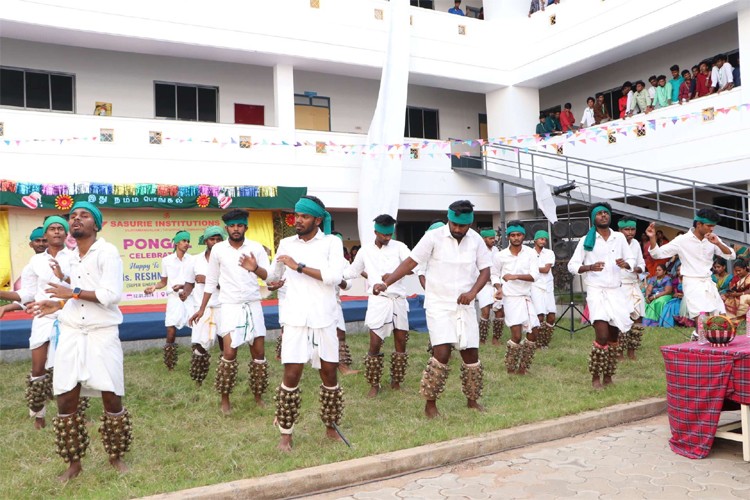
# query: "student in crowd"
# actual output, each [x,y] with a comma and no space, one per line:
[676,81]
[714,74]
[587,120]
[693,80]
[552,125]
[703,81]
[601,114]
[625,100]
[658,293]
[684,92]
[652,89]
[641,102]
[726,78]
[456,9]
[567,120]
[541,128]
[736,73]
[663,96]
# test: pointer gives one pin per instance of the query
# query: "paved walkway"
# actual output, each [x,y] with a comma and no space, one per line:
[627,462]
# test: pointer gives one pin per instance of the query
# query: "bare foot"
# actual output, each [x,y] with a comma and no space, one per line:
[285,443]
[374,390]
[72,471]
[226,408]
[474,405]
[332,434]
[620,357]
[395,386]
[119,465]
[39,423]
[482,342]
[259,402]
[345,370]
[607,380]
[521,371]
[596,383]
[430,410]
[631,354]
[495,341]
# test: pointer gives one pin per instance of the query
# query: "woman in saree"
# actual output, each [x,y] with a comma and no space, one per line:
[721,277]
[658,293]
[737,297]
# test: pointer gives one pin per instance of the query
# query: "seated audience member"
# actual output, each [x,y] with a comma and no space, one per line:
[551,125]
[641,102]
[737,298]
[456,9]
[663,96]
[658,293]
[703,84]
[696,71]
[661,240]
[742,252]
[557,123]
[541,128]
[685,94]
[721,276]
[567,120]
[601,114]
[625,99]
[652,89]
[726,78]
[736,73]
[676,81]
[587,120]
[536,5]
[674,312]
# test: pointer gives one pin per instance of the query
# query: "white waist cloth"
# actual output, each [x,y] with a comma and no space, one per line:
[610,305]
[244,322]
[45,329]
[543,300]
[386,313]
[302,344]
[205,330]
[486,297]
[635,298]
[701,295]
[340,321]
[519,310]
[178,312]
[92,358]
[454,326]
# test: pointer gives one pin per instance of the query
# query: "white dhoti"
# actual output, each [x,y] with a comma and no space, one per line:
[245,322]
[486,297]
[178,312]
[701,295]
[454,326]
[386,313]
[302,344]
[92,358]
[340,321]
[207,328]
[635,298]
[45,329]
[610,305]
[519,310]
[543,300]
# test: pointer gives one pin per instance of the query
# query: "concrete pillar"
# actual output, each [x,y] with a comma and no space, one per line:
[743,29]
[512,111]
[283,94]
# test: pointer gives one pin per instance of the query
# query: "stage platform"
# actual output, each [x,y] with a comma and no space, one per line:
[147,322]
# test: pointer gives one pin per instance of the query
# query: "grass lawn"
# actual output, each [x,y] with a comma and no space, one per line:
[182,440]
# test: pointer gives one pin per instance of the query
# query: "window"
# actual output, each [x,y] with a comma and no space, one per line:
[312,112]
[425,4]
[483,133]
[421,123]
[32,89]
[179,101]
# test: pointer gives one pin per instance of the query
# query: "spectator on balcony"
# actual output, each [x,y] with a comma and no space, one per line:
[626,99]
[714,74]
[536,5]
[456,9]
[676,81]
[684,94]
[726,78]
[663,96]
[694,80]
[567,120]
[641,102]
[736,73]
[652,89]
[541,127]
[588,120]
[553,125]
[703,85]
[601,114]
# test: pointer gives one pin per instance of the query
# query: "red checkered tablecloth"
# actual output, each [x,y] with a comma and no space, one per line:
[699,378]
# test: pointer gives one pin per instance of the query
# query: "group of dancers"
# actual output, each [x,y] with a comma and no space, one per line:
[74,295]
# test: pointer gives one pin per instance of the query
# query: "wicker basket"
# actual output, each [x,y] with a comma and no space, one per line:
[719,336]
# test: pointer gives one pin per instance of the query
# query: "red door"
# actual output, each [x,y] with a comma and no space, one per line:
[249,114]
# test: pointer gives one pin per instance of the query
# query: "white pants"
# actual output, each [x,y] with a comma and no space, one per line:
[92,358]
[701,295]
[385,314]
[244,322]
[454,326]
[519,310]
[610,305]
[207,328]
[302,344]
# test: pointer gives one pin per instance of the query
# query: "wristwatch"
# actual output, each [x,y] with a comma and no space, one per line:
[76,292]
[300,267]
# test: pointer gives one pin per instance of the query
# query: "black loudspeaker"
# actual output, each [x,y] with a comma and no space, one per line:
[534,225]
[564,249]
[578,228]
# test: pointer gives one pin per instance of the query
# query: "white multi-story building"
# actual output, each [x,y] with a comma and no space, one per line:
[172,92]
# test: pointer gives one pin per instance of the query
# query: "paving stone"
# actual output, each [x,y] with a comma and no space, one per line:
[631,493]
[381,494]
[594,484]
[469,491]
[682,480]
[720,478]
[713,491]
[571,463]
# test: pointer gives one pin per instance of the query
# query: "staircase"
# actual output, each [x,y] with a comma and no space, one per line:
[669,200]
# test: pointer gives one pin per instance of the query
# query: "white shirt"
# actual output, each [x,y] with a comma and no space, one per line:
[545,281]
[238,285]
[615,247]
[629,275]
[379,261]
[100,270]
[452,267]
[725,74]
[652,93]
[696,256]
[309,302]
[587,120]
[714,76]
[504,262]
[176,270]
[38,273]
[200,268]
